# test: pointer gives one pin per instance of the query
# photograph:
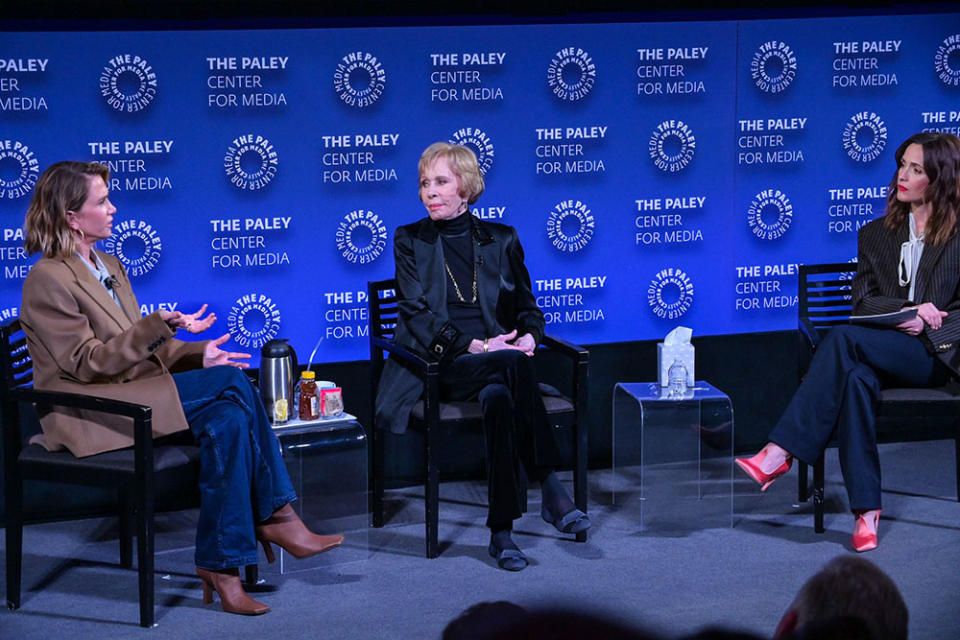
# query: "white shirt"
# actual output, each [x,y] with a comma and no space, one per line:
[910,252]
[100,273]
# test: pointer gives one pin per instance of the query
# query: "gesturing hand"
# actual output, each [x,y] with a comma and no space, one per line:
[213,355]
[191,322]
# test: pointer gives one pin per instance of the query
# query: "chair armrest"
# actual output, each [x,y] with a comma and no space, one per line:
[423,366]
[573,351]
[141,414]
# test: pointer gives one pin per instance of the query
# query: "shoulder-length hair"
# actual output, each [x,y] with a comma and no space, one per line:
[61,188]
[463,163]
[941,163]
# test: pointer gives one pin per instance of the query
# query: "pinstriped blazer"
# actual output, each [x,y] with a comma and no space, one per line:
[876,287]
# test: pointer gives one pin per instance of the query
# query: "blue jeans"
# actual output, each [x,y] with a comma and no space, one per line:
[242,476]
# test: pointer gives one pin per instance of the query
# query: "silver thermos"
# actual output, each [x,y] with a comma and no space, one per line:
[278,362]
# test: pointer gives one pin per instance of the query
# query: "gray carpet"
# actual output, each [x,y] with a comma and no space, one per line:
[673,579]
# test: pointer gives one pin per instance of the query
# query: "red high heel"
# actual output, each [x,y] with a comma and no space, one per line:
[753,469]
[286,529]
[233,598]
[863,538]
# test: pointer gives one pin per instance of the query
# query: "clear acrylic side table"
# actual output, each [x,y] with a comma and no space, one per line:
[675,454]
[327,463]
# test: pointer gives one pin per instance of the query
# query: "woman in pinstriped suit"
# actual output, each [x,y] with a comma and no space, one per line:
[909,258]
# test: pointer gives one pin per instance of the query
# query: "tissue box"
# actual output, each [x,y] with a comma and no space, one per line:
[667,354]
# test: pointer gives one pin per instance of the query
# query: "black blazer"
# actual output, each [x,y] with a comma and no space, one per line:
[503,291]
[876,287]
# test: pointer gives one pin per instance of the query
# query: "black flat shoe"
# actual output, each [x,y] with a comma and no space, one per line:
[573,521]
[508,559]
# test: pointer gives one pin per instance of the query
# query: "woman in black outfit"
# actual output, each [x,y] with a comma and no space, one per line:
[465,299]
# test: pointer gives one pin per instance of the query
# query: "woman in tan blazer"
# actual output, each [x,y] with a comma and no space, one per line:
[85,335]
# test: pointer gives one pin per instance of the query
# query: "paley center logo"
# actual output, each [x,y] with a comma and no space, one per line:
[571,74]
[947,71]
[251,162]
[864,136]
[359,79]
[570,226]
[770,214]
[670,293]
[253,320]
[19,169]
[136,245]
[672,146]
[479,142]
[128,83]
[361,237]
[773,66]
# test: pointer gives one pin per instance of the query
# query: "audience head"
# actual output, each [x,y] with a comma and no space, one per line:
[506,621]
[61,188]
[849,591]
[463,163]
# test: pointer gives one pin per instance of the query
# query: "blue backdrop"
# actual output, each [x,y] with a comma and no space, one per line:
[658,174]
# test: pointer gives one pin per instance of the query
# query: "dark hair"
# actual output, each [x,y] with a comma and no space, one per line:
[62,187]
[853,587]
[941,163]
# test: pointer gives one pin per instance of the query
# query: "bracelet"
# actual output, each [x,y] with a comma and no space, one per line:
[486,345]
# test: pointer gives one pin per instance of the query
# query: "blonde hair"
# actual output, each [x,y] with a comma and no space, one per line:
[61,188]
[463,163]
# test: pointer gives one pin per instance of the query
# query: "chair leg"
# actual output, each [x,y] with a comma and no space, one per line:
[956,444]
[378,479]
[125,528]
[145,550]
[818,482]
[251,574]
[803,490]
[580,471]
[432,502]
[14,526]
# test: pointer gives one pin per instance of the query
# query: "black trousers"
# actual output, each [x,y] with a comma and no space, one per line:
[520,441]
[841,391]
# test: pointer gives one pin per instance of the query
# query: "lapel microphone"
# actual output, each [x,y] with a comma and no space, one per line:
[111,283]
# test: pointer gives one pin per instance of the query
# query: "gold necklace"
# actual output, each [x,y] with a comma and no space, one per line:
[456,287]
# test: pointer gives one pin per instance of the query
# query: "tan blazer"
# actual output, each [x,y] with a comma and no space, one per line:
[82,342]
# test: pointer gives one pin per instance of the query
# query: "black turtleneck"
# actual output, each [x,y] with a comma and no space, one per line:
[458,252]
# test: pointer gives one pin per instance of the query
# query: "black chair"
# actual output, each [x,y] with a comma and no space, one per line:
[903,415]
[433,417]
[136,473]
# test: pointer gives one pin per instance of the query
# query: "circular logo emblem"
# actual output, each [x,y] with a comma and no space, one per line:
[773,67]
[479,142]
[136,245]
[948,71]
[251,162]
[864,136]
[571,74]
[670,293]
[361,237]
[770,214]
[253,321]
[359,79]
[672,145]
[19,169]
[128,83]
[570,226]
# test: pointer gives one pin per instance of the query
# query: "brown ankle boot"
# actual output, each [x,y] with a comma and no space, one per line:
[285,528]
[233,598]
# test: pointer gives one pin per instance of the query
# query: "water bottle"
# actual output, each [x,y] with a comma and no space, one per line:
[677,379]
